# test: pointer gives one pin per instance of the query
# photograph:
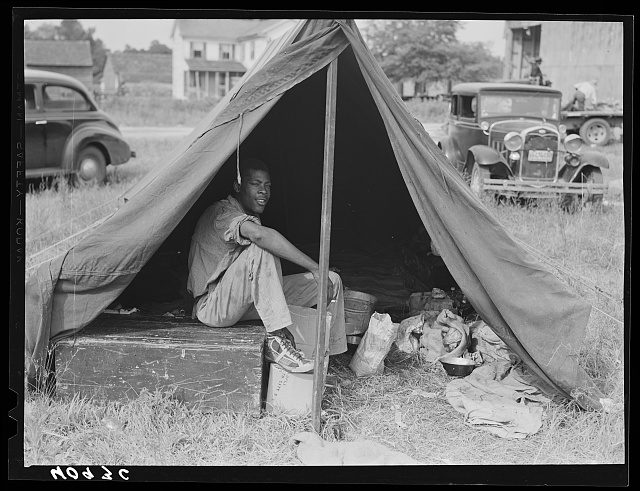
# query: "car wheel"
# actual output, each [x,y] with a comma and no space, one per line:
[574,202]
[478,175]
[596,132]
[91,167]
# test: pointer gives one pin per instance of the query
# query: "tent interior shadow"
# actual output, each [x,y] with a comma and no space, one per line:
[378,243]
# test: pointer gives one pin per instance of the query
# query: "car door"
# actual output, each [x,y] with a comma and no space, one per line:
[66,108]
[458,131]
[34,125]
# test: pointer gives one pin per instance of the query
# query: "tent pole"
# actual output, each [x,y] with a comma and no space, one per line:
[325,237]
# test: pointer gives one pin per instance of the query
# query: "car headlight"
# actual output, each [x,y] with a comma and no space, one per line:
[513,141]
[484,126]
[573,143]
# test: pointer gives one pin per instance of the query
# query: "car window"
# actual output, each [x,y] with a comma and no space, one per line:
[513,104]
[468,106]
[61,98]
[30,98]
[454,105]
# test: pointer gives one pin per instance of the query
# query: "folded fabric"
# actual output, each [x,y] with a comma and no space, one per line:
[313,450]
[495,398]
[491,347]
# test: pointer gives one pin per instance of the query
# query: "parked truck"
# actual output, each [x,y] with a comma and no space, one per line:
[595,127]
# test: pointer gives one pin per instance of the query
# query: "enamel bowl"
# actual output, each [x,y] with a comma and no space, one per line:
[457,367]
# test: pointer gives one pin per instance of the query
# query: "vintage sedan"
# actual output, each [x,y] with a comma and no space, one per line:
[65,132]
[507,140]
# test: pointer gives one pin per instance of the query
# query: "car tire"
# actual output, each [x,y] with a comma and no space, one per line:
[575,202]
[478,174]
[91,167]
[596,131]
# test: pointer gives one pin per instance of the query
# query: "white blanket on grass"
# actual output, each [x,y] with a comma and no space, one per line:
[495,398]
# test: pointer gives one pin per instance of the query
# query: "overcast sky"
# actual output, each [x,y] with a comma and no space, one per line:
[138,33]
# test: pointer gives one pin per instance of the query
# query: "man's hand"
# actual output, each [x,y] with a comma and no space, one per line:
[330,287]
[284,333]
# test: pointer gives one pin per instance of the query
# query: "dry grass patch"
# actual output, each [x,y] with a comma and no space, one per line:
[56,210]
[157,430]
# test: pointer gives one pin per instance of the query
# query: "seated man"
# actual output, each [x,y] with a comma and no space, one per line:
[235,272]
[584,97]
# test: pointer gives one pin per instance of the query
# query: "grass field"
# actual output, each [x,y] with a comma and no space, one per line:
[156,430]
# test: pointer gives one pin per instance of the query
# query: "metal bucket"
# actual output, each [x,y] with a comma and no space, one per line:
[358,307]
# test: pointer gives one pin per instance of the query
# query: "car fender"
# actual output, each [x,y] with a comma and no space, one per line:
[595,159]
[451,150]
[587,159]
[486,156]
[101,135]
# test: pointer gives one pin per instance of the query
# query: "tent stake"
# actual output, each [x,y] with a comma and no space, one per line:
[325,237]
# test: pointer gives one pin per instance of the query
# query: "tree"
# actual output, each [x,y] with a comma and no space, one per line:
[429,51]
[157,47]
[44,31]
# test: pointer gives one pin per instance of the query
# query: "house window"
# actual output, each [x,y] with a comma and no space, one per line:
[253,49]
[227,51]
[197,50]
[197,80]
[60,98]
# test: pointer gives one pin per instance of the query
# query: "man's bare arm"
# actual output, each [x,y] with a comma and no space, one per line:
[273,241]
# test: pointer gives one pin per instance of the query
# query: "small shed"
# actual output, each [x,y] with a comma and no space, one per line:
[71,58]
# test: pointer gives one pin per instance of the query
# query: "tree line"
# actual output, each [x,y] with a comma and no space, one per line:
[423,50]
[72,30]
[429,51]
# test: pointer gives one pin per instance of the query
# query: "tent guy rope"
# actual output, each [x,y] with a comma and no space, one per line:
[74,219]
[547,260]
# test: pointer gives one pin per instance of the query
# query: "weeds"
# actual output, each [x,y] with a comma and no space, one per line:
[156,429]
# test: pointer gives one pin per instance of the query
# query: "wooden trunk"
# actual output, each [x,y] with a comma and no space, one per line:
[117,356]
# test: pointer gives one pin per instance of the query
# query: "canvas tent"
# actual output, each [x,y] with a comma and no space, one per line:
[389,178]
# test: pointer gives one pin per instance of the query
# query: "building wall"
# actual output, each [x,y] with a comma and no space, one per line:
[573,52]
[576,51]
[83,74]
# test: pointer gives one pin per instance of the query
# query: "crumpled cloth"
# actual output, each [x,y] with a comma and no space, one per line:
[313,450]
[495,398]
[490,346]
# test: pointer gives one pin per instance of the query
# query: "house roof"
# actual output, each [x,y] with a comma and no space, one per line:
[230,29]
[215,66]
[57,53]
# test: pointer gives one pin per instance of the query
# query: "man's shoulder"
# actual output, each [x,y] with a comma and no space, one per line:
[225,205]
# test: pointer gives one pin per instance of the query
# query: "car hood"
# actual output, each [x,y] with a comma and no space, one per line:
[504,127]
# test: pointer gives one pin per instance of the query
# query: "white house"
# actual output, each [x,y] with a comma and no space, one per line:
[211,55]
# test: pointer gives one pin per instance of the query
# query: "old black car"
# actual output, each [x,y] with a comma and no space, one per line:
[507,139]
[65,132]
